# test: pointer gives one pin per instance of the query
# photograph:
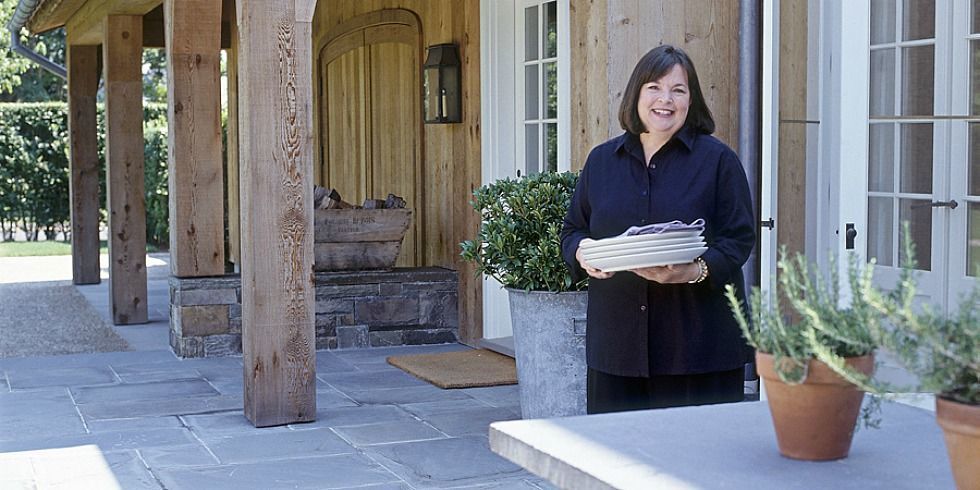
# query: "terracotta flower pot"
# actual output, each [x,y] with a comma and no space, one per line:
[814,420]
[961,426]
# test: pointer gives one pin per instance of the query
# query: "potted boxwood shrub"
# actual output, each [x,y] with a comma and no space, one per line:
[814,356]
[518,245]
[944,352]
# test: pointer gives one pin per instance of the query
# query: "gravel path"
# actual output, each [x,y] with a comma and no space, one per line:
[51,318]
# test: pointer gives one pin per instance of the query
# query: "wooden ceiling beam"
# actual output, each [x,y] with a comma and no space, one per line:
[85,26]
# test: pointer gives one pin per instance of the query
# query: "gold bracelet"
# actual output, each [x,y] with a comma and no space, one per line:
[703,271]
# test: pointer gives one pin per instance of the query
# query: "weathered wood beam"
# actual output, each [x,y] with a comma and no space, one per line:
[122,54]
[83,83]
[197,245]
[275,90]
[86,25]
[232,145]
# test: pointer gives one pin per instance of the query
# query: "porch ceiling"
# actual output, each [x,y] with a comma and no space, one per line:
[83,18]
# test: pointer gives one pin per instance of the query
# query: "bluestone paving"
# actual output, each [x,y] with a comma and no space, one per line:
[389,432]
[372,380]
[179,456]
[414,394]
[148,419]
[134,423]
[79,376]
[470,421]
[443,463]
[326,472]
[279,444]
[38,413]
[496,396]
[159,408]
[144,391]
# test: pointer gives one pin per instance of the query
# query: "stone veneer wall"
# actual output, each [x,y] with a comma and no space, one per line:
[406,306]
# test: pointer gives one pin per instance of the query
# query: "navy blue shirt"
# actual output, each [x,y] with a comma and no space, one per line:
[641,328]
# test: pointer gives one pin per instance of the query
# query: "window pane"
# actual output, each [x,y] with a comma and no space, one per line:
[531,99]
[974,163]
[531,149]
[973,237]
[976,17]
[919,215]
[883,82]
[881,168]
[916,162]
[919,19]
[918,72]
[531,33]
[880,226]
[551,89]
[882,21]
[975,77]
[551,30]
[551,146]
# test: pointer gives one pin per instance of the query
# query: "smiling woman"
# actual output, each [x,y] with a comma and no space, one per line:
[662,336]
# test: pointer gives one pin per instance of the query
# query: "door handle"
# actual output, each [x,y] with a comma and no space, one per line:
[849,235]
[951,204]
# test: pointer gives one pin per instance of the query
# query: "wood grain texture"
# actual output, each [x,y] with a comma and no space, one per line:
[360,225]
[590,114]
[196,185]
[275,63]
[122,53]
[86,24]
[791,191]
[233,140]
[83,189]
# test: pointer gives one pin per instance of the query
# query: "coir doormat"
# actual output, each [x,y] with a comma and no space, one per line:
[460,369]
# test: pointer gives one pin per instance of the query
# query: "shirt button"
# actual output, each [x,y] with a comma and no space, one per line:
[643,307]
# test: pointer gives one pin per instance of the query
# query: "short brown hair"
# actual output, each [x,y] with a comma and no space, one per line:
[653,66]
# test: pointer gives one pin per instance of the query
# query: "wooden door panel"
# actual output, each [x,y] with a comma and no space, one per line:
[347,152]
[395,127]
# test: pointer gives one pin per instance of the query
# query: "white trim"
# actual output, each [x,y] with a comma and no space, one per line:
[564,86]
[768,197]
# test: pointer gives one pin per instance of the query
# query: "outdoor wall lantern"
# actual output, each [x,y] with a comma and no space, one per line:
[441,85]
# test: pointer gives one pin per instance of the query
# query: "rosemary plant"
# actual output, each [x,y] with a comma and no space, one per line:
[808,321]
[518,242]
[943,351]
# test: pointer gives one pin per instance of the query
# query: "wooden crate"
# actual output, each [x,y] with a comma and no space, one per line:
[358,239]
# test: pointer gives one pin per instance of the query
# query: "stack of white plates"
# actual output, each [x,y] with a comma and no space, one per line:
[633,252]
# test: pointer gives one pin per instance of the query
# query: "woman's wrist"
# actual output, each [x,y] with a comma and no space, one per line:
[702,271]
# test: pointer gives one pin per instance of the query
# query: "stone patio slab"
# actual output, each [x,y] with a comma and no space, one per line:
[158,408]
[38,413]
[21,379]
[163,371]
[361,415]
[497,396]
[430,408]
[389,432]
[143,391]
[174,456]
[372,380]
[223,424]
[143,423]
[129,471]
[328,362]
[326,472]
[424,464]
[105,441]
[475,422]
[331,398]
[414,394]
[83,360]
[279,444]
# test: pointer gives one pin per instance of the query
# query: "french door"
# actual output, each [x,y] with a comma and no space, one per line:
[923,144]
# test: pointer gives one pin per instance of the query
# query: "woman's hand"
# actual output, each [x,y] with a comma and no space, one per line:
[591,271]
[669,274]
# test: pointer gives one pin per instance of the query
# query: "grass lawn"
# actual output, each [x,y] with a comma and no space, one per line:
[34,249]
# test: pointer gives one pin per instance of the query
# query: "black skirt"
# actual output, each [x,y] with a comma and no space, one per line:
[611,393]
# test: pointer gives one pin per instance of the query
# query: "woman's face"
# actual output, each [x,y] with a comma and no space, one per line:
[663,103]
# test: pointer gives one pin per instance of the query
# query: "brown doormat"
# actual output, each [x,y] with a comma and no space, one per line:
[460,369]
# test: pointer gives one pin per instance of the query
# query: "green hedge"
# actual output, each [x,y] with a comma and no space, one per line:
[34,169]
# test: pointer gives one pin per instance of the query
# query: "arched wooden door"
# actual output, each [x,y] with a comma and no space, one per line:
[370,118]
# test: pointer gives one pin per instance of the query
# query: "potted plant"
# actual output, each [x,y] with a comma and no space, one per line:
[814,356]
[518,245]
[944,352]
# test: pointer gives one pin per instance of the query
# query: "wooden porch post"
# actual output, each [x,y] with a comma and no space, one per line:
[83,83]
[122,52]
[193,33]
[276,96]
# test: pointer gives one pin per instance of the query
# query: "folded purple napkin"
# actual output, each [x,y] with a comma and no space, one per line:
[658,228]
